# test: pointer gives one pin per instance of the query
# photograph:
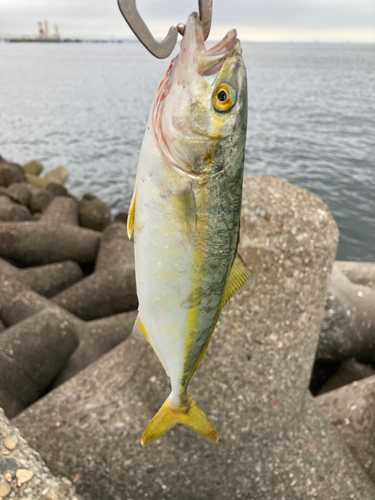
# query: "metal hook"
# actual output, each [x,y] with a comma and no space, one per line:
[164,48]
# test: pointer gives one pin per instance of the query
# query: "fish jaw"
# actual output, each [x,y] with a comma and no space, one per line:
[187,128]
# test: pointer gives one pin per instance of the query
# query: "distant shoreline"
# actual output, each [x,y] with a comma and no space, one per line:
[82,40]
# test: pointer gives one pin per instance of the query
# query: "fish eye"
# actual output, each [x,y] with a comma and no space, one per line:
[224,97]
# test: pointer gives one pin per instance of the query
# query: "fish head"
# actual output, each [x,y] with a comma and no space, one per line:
[200,109]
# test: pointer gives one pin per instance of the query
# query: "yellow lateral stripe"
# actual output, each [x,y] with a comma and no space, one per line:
[131,212]
[239,275]
[202,199]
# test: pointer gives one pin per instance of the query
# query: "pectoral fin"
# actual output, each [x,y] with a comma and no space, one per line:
[239,276]
[131,212]
[186,212]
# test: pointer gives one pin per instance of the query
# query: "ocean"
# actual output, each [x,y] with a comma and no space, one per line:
[311,120]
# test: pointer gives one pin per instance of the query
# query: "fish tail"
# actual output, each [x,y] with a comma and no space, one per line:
[190,415]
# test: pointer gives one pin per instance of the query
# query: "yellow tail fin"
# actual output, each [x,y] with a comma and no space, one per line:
[167,417]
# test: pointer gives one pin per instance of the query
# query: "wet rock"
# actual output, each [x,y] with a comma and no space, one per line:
[35,243]
[33,167]
[10,173]
[351,409]
[111,288]
[20,193]
[24,474]
[62,210]
[96,339]
[94,213]
[349,371]
[252,383]
[361,273]
[57,189]
[348,326]
[10,211]
[58,175]
[32,352]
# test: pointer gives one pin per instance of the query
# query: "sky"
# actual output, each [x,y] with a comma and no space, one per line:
[255,20]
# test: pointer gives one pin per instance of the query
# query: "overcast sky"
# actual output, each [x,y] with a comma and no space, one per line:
[255,20]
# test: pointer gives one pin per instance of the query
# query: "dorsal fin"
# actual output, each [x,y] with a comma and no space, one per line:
[239,276]
[131,212]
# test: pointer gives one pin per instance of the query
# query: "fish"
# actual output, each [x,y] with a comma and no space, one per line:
[185,214]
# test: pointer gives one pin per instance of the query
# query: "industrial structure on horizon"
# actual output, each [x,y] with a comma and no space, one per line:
[42,36]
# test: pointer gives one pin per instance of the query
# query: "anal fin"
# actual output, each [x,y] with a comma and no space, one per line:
[139,330]
[239,276]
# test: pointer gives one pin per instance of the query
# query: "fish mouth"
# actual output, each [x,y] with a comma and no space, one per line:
[193,50]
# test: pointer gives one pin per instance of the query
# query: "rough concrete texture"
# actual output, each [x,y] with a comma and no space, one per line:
[36,243]
[111,288]
[33,167]
[62,210]
[95,339]
[94,213]
[50,279]
[23,474]
[362,273]
[351,409]
[32,352]
[115,249]
[349,371]
[274,442]
[348,326]
[46,280]
[11,211]
[10,173]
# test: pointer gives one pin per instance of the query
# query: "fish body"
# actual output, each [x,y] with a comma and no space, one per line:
[185,213]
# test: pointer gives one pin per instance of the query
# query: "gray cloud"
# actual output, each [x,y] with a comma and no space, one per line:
[102,18]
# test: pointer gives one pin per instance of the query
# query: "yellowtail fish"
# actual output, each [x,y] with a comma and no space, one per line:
[185,214]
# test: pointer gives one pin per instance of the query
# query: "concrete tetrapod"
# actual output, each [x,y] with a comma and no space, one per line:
[252,383]
[362,273]
[32,352]
[96,338]
[348,326]
[351,409]
[349,371]
[23,474]
[46,280]
[110,289]
[35,243]
[10,211]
